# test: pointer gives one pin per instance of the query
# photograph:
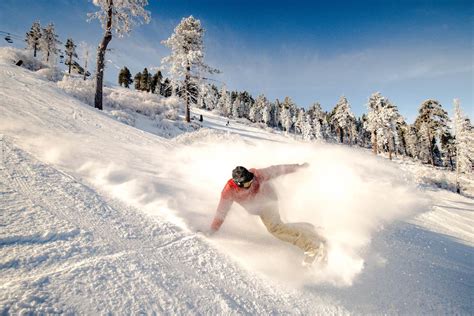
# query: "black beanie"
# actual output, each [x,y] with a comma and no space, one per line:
[241,175]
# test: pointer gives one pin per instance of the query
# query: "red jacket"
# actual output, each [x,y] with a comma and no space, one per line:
[259,195]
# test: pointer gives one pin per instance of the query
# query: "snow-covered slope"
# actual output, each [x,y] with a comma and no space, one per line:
[99,216]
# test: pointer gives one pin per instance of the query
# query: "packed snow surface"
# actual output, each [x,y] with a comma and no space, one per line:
[98,216]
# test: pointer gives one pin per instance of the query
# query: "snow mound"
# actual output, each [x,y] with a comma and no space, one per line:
[206,135]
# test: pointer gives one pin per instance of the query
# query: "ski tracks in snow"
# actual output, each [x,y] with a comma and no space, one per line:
[65,249]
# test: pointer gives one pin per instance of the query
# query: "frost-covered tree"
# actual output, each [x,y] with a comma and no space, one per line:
[138,79]
[464,143]
[186,62]
[388,131]
[70,53]
[116,16]
[374,121]
[237,108]
[125,77]
[256,110]
[307,130]
[286,119]
[33,37]
[342,119]
[167,88]
[412,142]
[155,84]
[224,104]
[49,43]
[267,113]
[431,123]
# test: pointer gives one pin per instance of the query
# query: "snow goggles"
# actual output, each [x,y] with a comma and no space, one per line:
[245,185]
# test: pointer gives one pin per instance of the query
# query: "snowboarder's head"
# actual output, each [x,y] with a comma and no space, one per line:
[242,177]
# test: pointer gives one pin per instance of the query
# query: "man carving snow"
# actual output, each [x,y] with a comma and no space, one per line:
[252,189]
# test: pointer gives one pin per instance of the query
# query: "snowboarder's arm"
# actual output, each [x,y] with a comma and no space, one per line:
[278,170]
[222,209]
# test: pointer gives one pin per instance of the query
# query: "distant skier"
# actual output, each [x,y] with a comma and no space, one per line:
[253,191]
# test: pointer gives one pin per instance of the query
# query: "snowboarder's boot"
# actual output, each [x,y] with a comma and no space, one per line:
[318,255]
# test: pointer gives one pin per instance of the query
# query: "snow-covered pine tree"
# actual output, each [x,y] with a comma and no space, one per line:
[186,62]
[116,16]
[156,82]
[373,122]
[33,37]
[412,142]
[387,133]
[431,122]
[256,110]
[464,143]
[144,80]
[236,107]
[342,119]
[138,79]
[286,119]
[300,120]
[167,88]
[266,112]
[49,43]
[307,130]
[70,53]
[222,103]
[212,98]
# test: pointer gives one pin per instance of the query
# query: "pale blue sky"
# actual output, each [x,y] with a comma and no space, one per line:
[309,50]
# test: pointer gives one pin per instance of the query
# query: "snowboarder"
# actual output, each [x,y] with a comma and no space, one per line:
[253,191]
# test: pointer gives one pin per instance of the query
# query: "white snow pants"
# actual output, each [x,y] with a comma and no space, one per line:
[301,235]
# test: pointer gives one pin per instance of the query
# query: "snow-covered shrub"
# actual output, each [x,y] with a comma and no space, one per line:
[148,104]
[51,74]
[123,117]
[10,55]
[83,90]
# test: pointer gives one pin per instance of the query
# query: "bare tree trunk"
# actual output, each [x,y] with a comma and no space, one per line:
[341,135]
[34,53]
[101,56]
[186,87]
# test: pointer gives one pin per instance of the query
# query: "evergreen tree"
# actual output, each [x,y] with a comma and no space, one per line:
[342,119]
[464,144]
[144,80]
[388,131]
[430,123]
[266,113]
[412,142]
[70,53]
[138,79]
[186,62]
[307,128]
[48,43]
[236,107]
[33,37]
[125,77]
[167,88]
[156,82]
[221,102]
